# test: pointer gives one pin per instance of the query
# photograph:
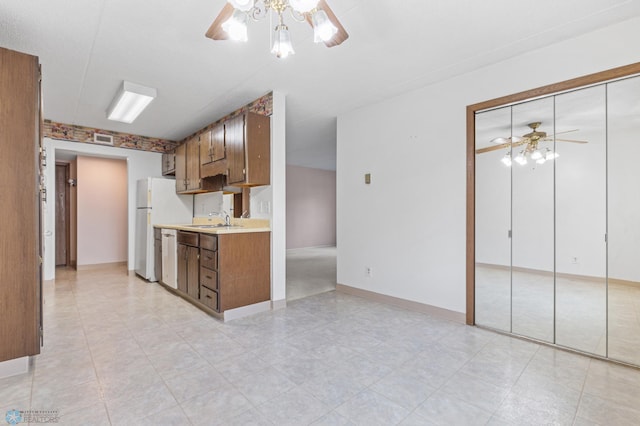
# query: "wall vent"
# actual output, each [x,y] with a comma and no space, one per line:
[103,139]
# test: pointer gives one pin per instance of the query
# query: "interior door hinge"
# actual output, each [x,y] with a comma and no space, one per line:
[509,233]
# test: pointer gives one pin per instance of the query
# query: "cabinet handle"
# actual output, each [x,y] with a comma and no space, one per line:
[209,277]
[208,297]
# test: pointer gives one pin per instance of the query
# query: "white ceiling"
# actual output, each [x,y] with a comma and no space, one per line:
[88,47]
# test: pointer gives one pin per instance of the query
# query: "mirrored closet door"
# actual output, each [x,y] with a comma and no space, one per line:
[557,219]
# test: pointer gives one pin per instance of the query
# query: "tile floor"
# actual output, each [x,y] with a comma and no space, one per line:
[579,308]
[310,271]
[119,351]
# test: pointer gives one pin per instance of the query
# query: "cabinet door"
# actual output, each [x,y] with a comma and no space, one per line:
[182,268]
[157,265]
[193,272]
[206,151]
[218,142]
[193,164]
[235,149]
[181,168]
[257,147]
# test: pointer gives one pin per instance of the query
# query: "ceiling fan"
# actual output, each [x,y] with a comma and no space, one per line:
[231,22]
[530,140]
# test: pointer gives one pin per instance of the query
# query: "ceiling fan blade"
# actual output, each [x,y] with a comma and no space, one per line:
[566,131]
[341,35]
[500,146]
[564,140]
[215,31]
[493,148]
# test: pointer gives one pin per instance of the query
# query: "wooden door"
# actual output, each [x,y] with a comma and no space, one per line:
[20,261]
[181,168]
[62,214]
[235,149]
[182,268]
[193,164]
[193,272]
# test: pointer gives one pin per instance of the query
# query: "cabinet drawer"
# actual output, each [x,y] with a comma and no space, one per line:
[209,259]
[209,298]
[209,278]
[188,238]
[209,242]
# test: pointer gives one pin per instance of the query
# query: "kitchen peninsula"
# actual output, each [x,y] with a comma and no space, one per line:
[223,269]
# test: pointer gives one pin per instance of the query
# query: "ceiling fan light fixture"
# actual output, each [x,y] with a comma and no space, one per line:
[541,160]
[521,159]
[282,46]
[551,155]
[244,5]
[130,100]
[499,140]
[506,160]
[536,155]
[323,28]
[303,6]
[236,26]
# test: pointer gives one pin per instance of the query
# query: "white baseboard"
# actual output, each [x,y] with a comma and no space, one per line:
[245,311]
[435,311]
[13,367]
[278,304]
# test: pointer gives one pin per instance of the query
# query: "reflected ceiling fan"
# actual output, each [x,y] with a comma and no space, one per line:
[231,22]
[530,140]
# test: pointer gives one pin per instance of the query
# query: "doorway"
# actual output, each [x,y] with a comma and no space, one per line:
[63,215]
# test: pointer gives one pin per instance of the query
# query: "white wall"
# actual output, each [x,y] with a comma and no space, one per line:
[409,224]
[278,195]
[101,210]
[140,164]
[311,207]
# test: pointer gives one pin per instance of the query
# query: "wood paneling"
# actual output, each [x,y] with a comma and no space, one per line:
[20,265]
[587,80]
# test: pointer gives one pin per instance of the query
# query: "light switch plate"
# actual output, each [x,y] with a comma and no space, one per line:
[367,178]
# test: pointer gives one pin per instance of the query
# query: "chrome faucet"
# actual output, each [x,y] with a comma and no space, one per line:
[224,215]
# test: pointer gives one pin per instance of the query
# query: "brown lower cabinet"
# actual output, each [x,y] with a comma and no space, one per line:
[233,270]
[188,263]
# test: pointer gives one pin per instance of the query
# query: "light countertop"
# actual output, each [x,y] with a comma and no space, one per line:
[240,226]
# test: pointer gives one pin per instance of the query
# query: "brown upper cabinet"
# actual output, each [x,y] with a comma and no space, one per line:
[181,168]
[193,164]
[187,162]
[248,138]
[212,145]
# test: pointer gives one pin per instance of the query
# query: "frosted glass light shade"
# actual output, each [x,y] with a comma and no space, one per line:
[282,42]
[236,26]
[129,102]
[323,28]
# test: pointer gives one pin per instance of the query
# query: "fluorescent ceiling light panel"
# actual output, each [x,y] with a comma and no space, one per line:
[130,101]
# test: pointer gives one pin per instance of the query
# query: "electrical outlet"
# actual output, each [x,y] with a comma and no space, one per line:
[367,272]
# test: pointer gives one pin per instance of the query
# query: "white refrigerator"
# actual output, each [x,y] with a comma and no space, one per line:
[156,203]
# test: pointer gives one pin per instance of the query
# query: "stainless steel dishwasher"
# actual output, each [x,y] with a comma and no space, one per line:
[169,258]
